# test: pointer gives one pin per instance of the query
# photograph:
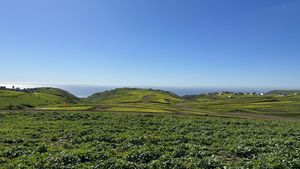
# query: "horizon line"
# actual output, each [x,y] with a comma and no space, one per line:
[46,84]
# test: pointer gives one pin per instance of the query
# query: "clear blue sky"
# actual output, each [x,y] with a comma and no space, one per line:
[183,43]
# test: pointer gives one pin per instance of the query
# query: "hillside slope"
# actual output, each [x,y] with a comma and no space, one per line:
[10,99]
[57,92]
[134,95]
[136,100]
[269,104]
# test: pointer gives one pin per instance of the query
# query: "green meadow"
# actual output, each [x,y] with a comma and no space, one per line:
[285,104]
[145,128]
[88,139]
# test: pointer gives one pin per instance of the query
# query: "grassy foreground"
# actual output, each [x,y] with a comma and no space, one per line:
[138,140]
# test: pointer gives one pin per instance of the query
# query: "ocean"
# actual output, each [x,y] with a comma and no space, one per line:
[87,90]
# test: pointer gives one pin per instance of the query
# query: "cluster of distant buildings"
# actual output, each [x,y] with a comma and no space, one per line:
[285,94]
[246,93]
[235,93]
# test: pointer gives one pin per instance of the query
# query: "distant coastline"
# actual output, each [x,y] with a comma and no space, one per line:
[83,91]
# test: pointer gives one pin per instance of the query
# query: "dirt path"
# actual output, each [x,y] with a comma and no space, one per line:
[146,99]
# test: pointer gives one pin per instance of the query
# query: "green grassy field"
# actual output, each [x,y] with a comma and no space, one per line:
[268,104]
[60,139]
[34,97]
[157,101]
[141,100]
[143,128]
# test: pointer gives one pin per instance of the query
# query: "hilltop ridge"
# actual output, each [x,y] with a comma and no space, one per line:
[273,103]
[29,98]
[133,95]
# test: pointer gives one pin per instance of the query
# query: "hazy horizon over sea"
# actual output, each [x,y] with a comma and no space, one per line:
[87,90]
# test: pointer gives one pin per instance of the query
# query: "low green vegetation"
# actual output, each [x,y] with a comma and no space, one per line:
[11,99]
[274,103]
[216,104]
[271,104]
[64,139]
[145,128]
[134,95]
[68,97]
[67,108]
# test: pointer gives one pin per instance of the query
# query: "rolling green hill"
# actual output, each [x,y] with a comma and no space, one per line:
[156,101]
[134,99]
[134,95]
[57,92]
[245,104]
[10,99]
